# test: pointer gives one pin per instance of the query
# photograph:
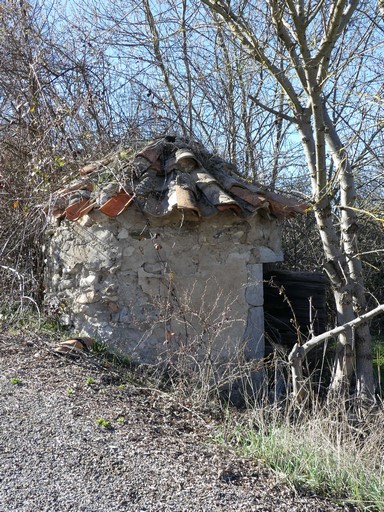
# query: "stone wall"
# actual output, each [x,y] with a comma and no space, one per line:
[150,287]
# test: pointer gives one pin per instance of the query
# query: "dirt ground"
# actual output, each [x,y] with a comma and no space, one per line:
[74,437]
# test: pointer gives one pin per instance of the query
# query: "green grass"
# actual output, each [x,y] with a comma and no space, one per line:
[321,453]
[101,350]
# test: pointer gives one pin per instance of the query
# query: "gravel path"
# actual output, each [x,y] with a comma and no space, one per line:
[156,455]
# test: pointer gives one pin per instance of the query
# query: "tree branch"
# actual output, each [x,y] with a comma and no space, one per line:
[243,33]
[282,30]
[337,24]
[313,342]
[161,64]
[281,115]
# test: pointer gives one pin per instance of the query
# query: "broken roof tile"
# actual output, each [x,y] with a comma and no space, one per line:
[79,208]
[89,168]
[152,153]
[250,197]
[77,185]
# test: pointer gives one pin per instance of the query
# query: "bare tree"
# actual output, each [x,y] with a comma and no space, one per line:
[190,78]
[307,37]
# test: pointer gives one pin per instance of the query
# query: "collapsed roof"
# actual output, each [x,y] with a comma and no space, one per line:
[168,174]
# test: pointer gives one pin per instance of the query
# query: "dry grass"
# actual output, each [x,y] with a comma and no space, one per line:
[327,450]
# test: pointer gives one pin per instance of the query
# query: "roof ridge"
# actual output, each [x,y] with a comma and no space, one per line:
[154,173]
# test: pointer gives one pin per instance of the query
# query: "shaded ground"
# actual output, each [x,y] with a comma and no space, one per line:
[157,454]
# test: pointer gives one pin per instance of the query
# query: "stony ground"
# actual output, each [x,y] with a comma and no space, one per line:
[156,453]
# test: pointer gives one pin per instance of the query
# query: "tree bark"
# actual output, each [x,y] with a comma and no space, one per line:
[349,229]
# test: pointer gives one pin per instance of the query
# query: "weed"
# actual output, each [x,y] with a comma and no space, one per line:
[378,363]
[70,391]
[99,348]
[120,420]
[15,381]
[89,381]
[104,423]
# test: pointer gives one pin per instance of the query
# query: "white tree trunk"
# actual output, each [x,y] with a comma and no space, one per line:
[362,342]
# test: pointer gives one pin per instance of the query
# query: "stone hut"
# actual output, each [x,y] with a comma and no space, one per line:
[160,251]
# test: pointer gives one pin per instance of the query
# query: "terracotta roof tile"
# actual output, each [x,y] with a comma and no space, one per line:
[79,208]
[118,203]
[168,174]
[250,197]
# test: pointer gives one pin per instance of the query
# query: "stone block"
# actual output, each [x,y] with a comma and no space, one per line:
[89,297]
[65,320]
[267,255]
[90,280]
[153,284]
[65,284]
[254,293]
[254,343]
[123,234]
[110,292]
[263,254]
[128,251]
[86,221]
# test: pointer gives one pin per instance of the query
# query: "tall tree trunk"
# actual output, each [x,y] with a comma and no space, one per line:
[349,227]
[335,262]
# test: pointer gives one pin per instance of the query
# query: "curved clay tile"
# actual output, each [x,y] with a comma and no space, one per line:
[250,197]
[76,210]
[117,204]
[106,192]
[282,206]
[145,184]
[214,193]
[80,203]
[187,160]
[78,185]
[74,345]
[152,153]
[186,200]
[89,168]
[230,206]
